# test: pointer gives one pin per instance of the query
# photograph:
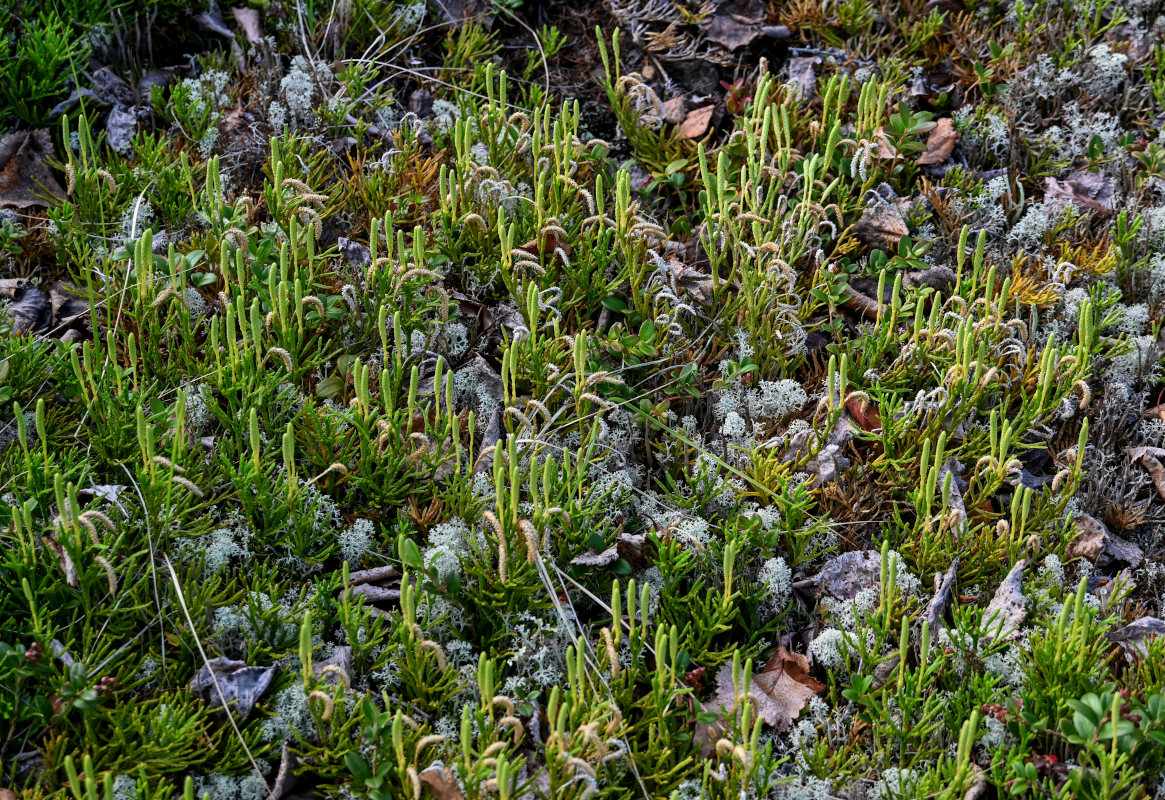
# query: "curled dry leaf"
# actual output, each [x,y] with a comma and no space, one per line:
[376,585]
[1150,459]
[1008,608]
[442,782]
[673,110]
[881,226]
[864,413]
[696,122]
[57,312]
[828,463]
[629,547]
[241,685]
[1095,543]
[248,20]
[936,609]
[336,668]
[780,690]
[25,178]
[1088,191]
[285,777]
[885,669]
[845,575]
[803,72]
[940,144]
[731,32]
[550,244]
[979,785]
[1134,637]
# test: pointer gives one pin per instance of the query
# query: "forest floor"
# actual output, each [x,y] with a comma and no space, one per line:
[641,399]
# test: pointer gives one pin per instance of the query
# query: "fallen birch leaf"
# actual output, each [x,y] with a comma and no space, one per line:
[1088,191]
[550,245]
[31,313]
[940,144]
[885,669]
[629,547]
[780,690]
[696,122]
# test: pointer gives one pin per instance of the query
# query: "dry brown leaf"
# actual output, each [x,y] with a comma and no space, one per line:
[1008,608]
[940,144]
[936,609]
[1150,459]
[730,33]
[1156,412]
[780,690]
[864,412]
[24,172]
[1101,547]
[885,150]
[285,777]
[1088,191]
[629,547]
[803,72]
[248,19]
[442,783]
[550,244]
[696,122]
[881,226]
[239,685]
[673,110]
[845,575]
[979,785]
[1134,637]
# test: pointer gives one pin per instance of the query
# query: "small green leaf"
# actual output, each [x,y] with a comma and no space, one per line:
[614,303]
